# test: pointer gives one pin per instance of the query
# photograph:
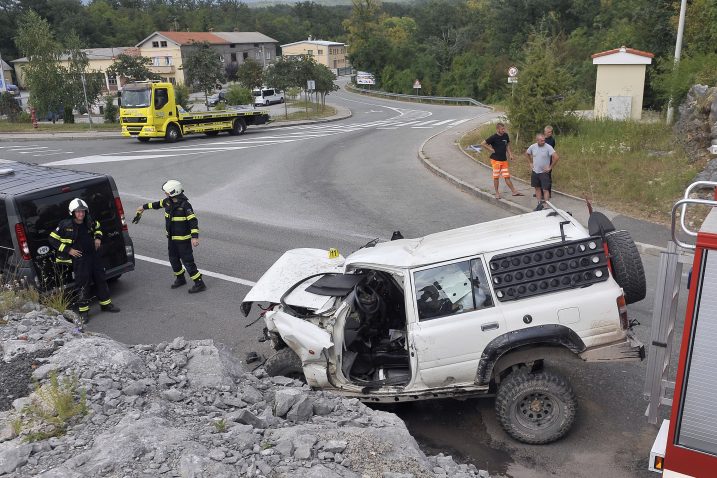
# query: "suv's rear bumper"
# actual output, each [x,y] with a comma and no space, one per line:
[629,349]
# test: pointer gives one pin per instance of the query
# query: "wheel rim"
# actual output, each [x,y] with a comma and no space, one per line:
[173,133]
[537,410]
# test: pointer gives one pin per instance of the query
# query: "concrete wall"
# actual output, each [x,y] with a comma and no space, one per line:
[619,80]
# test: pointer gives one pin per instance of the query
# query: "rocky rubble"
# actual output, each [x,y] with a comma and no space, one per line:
[187,408]
[696,127]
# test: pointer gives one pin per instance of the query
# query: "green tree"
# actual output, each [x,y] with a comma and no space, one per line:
[543,94]
[203,68]
[181,96]
[81,87]
[324,79]
[251,74]
[131,68]
[111,109]
[43,75]
[283,74]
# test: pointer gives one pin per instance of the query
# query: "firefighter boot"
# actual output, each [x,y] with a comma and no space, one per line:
[179,282]
[110,308]
[198,286]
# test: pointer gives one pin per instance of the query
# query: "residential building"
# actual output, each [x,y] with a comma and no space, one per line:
[6,71]
[99,60]
[328,53]
[167,49]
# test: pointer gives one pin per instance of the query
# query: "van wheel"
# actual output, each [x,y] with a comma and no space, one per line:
[535,408]
[266,103]
[285,362]
[238,127]
[281,100]
[626,265]
[143,140]
[172,134]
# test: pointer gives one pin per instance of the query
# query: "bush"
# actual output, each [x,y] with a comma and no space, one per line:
[238,95]
[9,107]
[181,96]
[111,110]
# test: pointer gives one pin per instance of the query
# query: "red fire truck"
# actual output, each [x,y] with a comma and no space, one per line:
[686,445]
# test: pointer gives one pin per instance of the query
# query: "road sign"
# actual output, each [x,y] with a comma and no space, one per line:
[310,85]
[512,71]
[512,79]
[416,85]
[365,80]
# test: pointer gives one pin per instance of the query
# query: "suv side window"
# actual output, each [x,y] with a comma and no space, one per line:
[452,289]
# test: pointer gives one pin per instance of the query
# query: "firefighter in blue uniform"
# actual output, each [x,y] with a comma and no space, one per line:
[182,234]
[76,241]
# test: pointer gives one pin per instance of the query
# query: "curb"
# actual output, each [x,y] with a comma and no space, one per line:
[643,248]
[6,137]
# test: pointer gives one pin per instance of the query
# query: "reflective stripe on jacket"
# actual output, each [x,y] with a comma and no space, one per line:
[180,221]
[65,235]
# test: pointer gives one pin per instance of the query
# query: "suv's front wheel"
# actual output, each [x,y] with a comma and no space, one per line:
[285,362]
[535,408]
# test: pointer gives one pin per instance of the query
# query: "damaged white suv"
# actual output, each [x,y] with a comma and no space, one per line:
[473,311]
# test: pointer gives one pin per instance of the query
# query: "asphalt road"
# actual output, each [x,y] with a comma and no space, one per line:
[335,185]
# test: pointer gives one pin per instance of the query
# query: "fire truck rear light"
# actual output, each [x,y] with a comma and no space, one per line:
[120,211]
[622,309]
[659,463]
[22,241]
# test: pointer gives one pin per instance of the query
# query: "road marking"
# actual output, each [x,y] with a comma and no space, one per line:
[96,158]
[461,121]
[444,122]
[23,148]
[422,127]
[423,123]
[216,275]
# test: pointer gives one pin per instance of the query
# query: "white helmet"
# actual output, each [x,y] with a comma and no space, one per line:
[78,204]
[173,188]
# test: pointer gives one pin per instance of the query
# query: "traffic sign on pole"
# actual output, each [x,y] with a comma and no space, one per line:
[513,71]
[417,85]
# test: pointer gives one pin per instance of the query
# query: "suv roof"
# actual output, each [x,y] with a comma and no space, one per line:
[26,177]
[512,232]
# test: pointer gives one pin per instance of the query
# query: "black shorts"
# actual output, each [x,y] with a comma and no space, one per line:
[541,180]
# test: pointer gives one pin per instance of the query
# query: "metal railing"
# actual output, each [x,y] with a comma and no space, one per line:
[682,204]
[418,98]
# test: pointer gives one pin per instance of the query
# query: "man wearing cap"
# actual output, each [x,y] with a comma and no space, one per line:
[182,234]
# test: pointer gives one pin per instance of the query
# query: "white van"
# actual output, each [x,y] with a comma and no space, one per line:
[267,96]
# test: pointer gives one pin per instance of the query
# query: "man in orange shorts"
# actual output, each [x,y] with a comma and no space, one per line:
[499,145]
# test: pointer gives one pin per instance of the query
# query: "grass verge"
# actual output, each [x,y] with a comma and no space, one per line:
[8,127]
[629,167]
[314,112]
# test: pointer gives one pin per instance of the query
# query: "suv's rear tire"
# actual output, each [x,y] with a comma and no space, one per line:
[535,408]
[627,266]
[172,134]
[285,362]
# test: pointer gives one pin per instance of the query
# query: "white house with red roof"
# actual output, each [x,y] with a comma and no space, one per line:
[620,84]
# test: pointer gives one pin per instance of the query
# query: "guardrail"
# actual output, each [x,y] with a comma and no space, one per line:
[418,98]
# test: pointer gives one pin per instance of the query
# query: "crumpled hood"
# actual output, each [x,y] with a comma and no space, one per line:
[290,268]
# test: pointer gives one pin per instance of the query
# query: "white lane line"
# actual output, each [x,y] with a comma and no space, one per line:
[423,123]
[216,275]
[43,154]
[104,159]
[422,127]
[460,121]
[23,148]
[444,122]
[388,128]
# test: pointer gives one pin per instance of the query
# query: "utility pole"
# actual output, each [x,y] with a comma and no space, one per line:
[678,52]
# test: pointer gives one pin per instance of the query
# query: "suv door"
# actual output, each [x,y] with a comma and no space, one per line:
[41,212]
[456,319]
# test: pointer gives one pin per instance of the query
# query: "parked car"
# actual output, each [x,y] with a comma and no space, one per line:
[479,310]
[267,96]
[34,199]
[12,89]
[216,98]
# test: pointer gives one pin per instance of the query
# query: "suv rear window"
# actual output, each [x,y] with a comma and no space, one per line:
[42,214]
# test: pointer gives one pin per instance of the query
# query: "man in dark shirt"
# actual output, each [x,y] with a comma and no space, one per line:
[499,146]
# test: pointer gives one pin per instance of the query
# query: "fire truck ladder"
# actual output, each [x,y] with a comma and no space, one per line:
[658,389]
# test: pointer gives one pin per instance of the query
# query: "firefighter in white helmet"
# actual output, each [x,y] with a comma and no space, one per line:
[76,241]
[182,234]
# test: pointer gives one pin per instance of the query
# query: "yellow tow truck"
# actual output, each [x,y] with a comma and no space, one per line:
[149,110]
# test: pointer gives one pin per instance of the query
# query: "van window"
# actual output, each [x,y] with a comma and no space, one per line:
[41,215]
[5,234]
[268,92]
[452,289]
